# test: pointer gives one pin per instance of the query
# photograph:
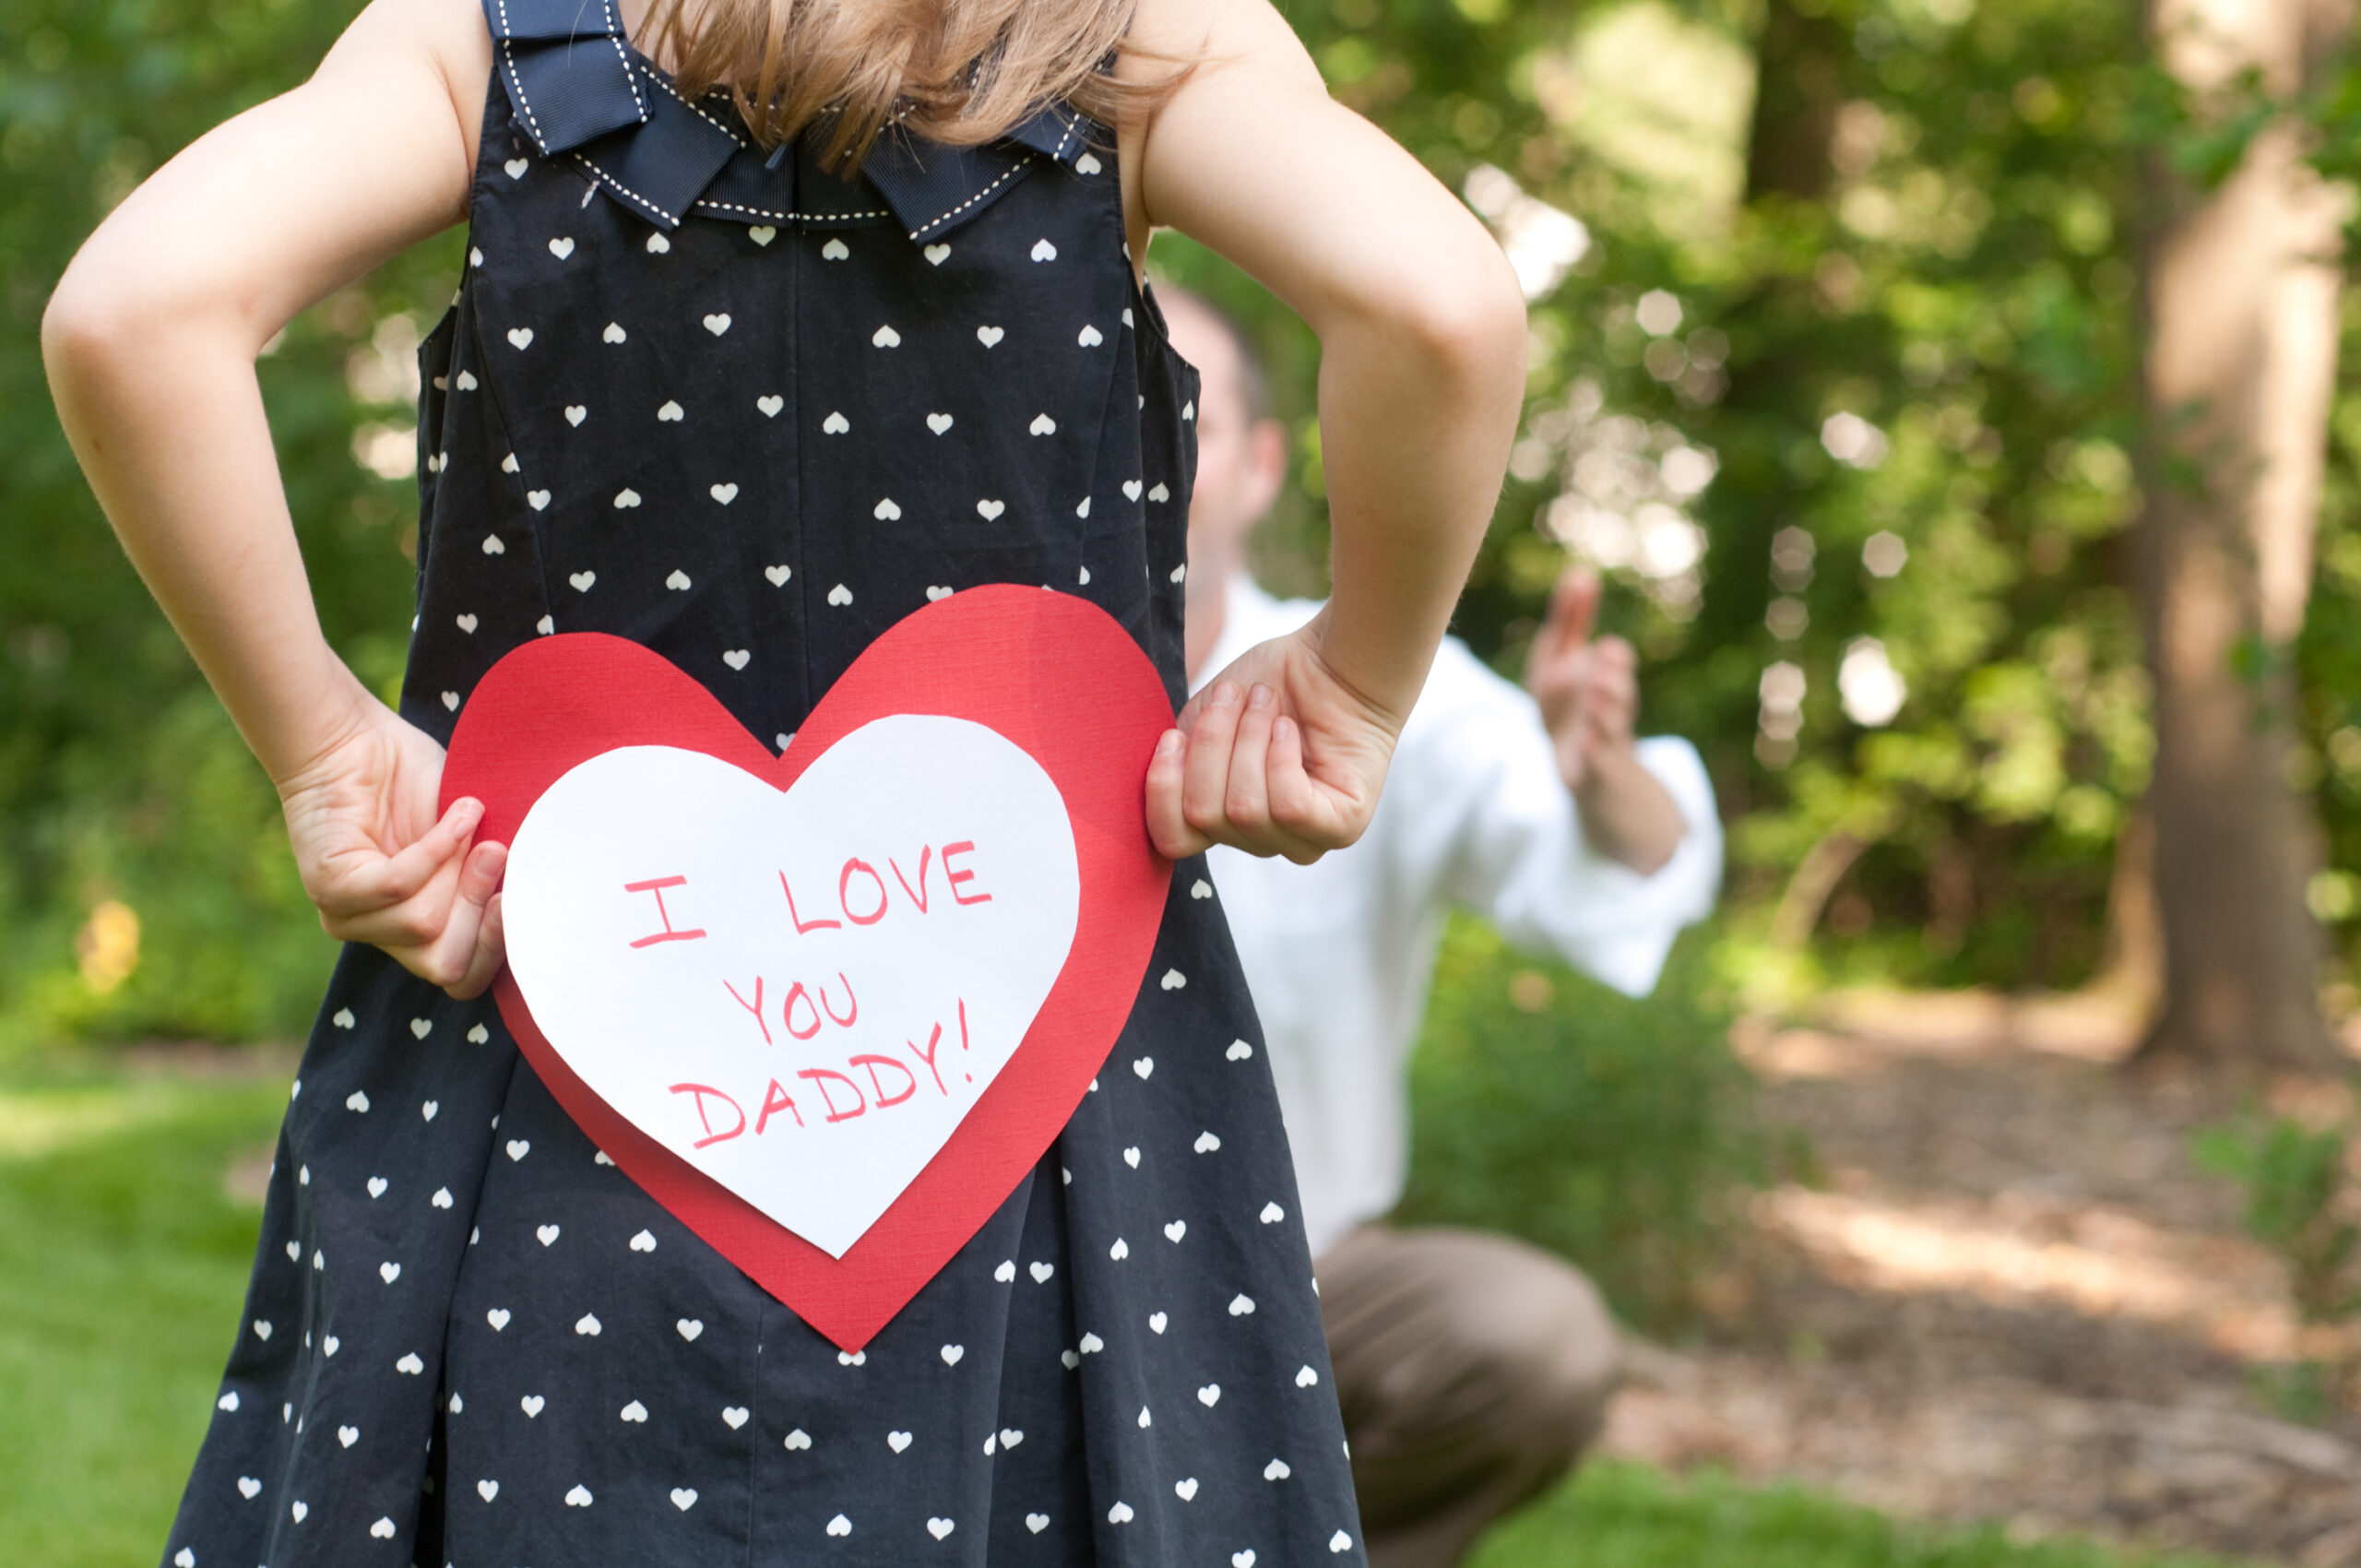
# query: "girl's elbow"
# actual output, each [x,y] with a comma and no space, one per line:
[90,320]
[1469,319]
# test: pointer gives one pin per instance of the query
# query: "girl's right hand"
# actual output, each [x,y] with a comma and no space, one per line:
[383,868]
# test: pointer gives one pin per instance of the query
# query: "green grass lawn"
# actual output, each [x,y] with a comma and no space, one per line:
[123,1260]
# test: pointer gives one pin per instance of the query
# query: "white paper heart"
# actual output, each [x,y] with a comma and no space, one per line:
[858,980]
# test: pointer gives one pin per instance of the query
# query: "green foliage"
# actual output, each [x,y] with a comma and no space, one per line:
[119,779]
[1879,434]
[2293,1179]
[1609,1130]
[1915,397]
[1622,1516]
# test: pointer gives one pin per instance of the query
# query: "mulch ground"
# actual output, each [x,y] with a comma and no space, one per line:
[2003,1291]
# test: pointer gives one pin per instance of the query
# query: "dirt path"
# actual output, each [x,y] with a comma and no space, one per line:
[2005,1293]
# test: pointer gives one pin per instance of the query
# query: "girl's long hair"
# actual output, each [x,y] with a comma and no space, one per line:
[958,72]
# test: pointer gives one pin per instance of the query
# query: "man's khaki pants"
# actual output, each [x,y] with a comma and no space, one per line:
[1472,1371]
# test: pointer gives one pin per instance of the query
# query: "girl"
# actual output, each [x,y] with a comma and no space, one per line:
[470,1338]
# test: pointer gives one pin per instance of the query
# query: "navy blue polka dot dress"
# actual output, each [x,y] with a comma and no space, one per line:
[749,415]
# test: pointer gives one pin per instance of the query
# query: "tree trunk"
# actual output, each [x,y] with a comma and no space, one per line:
[2242,301]
[1797,94]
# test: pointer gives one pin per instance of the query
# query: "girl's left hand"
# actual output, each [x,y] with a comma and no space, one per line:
[383,868]
[1277,756]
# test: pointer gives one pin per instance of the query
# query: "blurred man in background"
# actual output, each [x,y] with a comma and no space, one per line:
[1472,1369]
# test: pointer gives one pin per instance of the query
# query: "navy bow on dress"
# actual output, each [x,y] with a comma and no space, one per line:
[579,88]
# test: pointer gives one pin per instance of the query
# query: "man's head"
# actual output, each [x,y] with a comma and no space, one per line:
[1241,450]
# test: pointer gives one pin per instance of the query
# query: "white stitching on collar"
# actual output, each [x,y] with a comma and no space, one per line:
[708,202]
[509,52]
[672,219]
[1012,171]
[693,108]
[615,37]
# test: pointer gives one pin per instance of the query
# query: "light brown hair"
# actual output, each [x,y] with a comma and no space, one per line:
[958,72]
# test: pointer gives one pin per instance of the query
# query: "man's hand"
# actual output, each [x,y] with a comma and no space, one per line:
[1589,695]
[383,869]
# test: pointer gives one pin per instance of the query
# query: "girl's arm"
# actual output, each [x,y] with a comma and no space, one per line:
[1421,328]
[150,340]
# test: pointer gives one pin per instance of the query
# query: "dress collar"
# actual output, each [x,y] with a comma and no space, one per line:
[579,89]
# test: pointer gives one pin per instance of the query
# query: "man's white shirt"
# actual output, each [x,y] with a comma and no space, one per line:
[1340,954]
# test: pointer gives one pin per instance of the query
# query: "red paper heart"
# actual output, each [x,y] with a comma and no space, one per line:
[1055,675]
